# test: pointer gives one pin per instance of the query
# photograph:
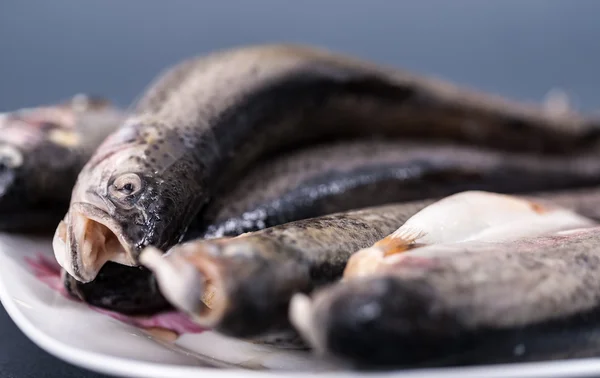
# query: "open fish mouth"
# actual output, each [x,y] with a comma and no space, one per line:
[191,283]
[87,239]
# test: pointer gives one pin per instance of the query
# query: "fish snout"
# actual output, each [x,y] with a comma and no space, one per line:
[189,276]
[301,315]
[85,240]
[178,280]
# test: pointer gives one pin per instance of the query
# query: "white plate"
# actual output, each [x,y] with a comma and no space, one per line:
[76,333]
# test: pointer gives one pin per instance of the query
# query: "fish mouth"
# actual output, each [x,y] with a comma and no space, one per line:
[87,239]
[301,313]
[190,280]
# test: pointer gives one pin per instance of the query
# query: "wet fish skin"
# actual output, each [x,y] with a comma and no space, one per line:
[207,119]
[336,177]
[278,179]
[122,298]
[42,150]
[253,276]
[465,217]
[330,178]
[483,302]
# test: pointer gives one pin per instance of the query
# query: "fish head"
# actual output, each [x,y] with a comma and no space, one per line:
[17,139]
[12,172]
[41,152]
[130,195]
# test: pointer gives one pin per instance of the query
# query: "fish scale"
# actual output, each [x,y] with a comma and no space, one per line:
[46,147]
[478,304]
[222,115]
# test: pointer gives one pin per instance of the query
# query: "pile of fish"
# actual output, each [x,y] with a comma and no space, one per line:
[295,196]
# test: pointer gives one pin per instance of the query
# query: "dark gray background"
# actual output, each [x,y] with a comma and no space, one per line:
[50,50]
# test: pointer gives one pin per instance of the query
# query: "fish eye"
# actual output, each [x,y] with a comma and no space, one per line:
[125,186]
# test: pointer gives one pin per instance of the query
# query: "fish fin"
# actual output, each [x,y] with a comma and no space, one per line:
[366,261]
[400,241]
[542,207]
[408,234]
[363,262]
[539,208]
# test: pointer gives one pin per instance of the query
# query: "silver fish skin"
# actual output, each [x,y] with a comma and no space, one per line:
[42,150]
[241,286]
[207,119]
[468,303]
[325,179]
[342,176]
[330,178]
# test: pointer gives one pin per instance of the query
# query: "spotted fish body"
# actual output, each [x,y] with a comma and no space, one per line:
[241,286]
[330,178]
[135,291]
[463,303]
[207,120]
[42,150]
[249,279]
[202,126]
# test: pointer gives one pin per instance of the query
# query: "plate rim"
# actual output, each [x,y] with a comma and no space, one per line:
[120,366]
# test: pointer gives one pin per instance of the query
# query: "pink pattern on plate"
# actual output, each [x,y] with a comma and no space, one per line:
[48,271]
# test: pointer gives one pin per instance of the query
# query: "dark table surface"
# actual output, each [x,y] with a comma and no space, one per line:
[52,50]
